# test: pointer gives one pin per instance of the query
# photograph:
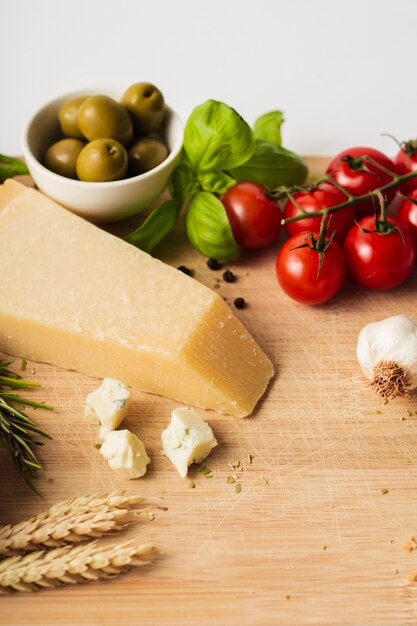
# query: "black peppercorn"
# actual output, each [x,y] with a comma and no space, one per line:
[229,277]
[213,264]
[185,270]
[239,303]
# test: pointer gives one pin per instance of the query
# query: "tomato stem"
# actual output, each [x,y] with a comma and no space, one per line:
[396,180]
[383,206]
[408,147]
[379,166]
[382,225]
[292,199]
[338,186]
[412,200]
[320,244]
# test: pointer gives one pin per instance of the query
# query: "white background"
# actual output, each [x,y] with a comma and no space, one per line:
[342,71]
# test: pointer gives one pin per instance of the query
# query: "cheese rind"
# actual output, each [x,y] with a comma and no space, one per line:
[80,298]
[187,439]
[108,405]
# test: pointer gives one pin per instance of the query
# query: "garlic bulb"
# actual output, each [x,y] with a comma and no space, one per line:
[387,353]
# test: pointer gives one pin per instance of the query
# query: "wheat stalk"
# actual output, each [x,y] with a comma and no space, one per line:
[71,565]
[71,521]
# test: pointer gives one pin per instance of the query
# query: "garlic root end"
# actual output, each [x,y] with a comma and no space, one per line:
[389,381]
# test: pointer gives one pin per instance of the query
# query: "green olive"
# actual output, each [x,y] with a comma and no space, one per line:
[102,160]
[62,156]
[146,106]
[101,117]
[67,116]
[145,154]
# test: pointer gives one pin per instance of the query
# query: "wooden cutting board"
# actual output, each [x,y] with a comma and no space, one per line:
[320,543]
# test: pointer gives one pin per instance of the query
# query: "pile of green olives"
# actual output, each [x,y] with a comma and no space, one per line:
[106,140]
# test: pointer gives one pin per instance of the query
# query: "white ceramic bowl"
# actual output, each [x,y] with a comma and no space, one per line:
[99,202]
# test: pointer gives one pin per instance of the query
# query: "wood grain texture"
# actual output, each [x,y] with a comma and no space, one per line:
[319,544]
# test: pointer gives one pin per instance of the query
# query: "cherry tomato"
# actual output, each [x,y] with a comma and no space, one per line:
[321,197]
[407,212]
[255,218]
[379,261]
[357,180]
[406,162]
[297,270]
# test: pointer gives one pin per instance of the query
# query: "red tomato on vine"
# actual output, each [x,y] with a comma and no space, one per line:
[406,162]
[317,198]
[407,212]
[310,268]
[379,253]
[254,217]
[359,175]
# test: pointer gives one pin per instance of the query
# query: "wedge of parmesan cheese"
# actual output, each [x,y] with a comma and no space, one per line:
[80,298]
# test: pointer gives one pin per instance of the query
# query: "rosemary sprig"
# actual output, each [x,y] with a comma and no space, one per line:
[17,430]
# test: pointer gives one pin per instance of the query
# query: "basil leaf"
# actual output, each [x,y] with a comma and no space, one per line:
[216,182]
[12,167]
[208,227]
[182,182]
[268,127]
[216,138]
[272,166]
[156,226]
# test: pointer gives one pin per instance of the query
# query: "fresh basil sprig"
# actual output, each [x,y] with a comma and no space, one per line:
[219,149]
